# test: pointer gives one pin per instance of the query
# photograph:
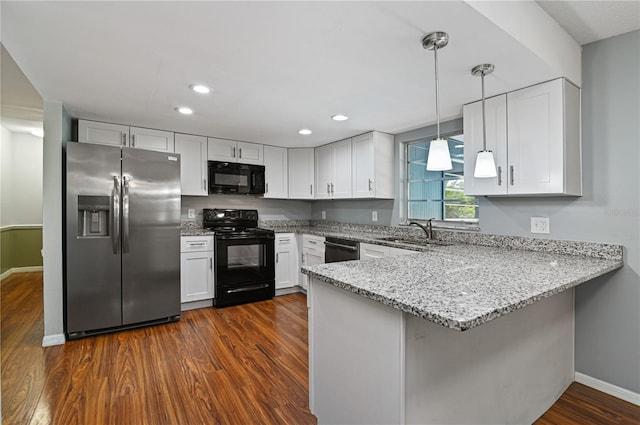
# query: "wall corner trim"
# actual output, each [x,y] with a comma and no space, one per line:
[51,340]
[608,388]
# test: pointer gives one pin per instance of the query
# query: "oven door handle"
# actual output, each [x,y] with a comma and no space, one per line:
[339,245]
[247,288]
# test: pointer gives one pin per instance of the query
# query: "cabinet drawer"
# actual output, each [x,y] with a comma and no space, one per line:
[313,242]
[285,239]
[196,243]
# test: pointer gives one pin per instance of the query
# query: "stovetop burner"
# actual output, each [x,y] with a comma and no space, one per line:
[227,223]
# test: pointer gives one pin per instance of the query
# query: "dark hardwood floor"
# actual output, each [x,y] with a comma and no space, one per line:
[238,365]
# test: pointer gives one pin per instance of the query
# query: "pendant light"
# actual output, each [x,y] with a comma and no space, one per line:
[439,157]
[485,164]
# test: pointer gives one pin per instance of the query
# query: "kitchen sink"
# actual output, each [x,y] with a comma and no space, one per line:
[421,242]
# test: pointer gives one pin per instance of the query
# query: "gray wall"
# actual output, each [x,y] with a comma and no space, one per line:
[607,309]
[268,209]
[57,130]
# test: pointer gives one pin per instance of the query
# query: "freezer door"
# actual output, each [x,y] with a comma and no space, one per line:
[150,235]
[92,295]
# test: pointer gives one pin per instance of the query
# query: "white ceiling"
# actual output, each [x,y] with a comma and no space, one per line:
[274,67]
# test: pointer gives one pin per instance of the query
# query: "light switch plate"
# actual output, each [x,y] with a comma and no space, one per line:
[374,215]
[191,213]
[540,225]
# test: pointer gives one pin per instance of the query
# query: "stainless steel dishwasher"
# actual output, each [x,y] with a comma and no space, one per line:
[337,249]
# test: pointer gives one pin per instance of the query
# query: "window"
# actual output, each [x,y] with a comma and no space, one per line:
[438,194]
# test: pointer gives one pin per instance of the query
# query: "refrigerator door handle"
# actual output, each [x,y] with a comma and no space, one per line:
[125,214]
[115,215]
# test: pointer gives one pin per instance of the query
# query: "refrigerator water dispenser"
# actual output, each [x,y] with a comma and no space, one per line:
[93,215]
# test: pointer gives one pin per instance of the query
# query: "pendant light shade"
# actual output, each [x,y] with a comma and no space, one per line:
[439,158]
[485,164]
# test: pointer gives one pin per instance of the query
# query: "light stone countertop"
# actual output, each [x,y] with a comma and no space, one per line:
[463,286]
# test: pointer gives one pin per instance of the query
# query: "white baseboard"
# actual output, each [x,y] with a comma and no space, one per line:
[50,340]
[192,305]
[287,291]
[608,388]
[20,270]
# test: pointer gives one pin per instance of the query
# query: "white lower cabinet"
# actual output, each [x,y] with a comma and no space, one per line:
[196,268]
[368,250]
[312,254]
[286,260]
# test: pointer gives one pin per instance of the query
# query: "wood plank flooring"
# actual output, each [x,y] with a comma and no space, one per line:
[238,365]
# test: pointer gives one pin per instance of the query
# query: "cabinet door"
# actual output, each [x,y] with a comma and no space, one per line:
[276,172]
[535,128]
[496,116]
[250,153]
[341,156]
[311,257]
[363,166]
[193,164]
[373,251]
[153,140]
[196,276]
[301,173]
[323,171]
[285,260]
[103,133]
[222,150]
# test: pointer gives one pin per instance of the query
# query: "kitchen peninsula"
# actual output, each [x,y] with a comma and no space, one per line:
[456,334]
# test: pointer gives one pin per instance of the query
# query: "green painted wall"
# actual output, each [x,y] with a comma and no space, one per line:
[20,248]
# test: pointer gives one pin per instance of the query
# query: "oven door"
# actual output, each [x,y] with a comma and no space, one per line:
[244,269]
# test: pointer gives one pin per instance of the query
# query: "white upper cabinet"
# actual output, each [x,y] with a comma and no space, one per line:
[372,165]
[542,153]
[193,164]
[232,151]
[276,172]
[333,170]
[154,140]
[103,133]
[301,173]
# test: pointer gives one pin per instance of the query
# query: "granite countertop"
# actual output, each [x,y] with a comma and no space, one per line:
[463,286]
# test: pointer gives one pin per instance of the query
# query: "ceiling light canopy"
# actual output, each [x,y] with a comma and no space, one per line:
[485,163]
[439,158]
[199,88]
[184,110]
[339,117]
[305,131]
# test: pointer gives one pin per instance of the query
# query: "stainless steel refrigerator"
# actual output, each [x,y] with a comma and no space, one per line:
[122,238]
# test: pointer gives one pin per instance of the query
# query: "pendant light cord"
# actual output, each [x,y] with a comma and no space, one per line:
[435,52]
[484,119]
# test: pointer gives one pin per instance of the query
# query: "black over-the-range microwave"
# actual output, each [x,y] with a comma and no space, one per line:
[235,178]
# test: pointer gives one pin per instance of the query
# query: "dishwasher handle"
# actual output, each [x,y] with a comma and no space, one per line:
[339,245]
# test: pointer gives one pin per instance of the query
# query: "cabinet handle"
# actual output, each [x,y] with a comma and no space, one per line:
[133,140]
[332,188]
[204,184]
[124,139]
[266,187]
[310,189]
[277,257]
[329,188]
[370,185]
[511,171]
[233,154]
[210,263]
[240,153]
[302,258]
[499,176]
[313,242]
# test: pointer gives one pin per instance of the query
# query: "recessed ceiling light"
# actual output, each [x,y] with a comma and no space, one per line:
[339,117]
[305,131]
[185,110]
[199,88]
[38,132]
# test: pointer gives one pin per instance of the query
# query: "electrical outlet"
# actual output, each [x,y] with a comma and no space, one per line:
[191,213]
[324,215]
[540,225]
[374,215]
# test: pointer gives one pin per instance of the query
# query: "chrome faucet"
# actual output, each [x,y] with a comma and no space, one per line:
[427,229]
